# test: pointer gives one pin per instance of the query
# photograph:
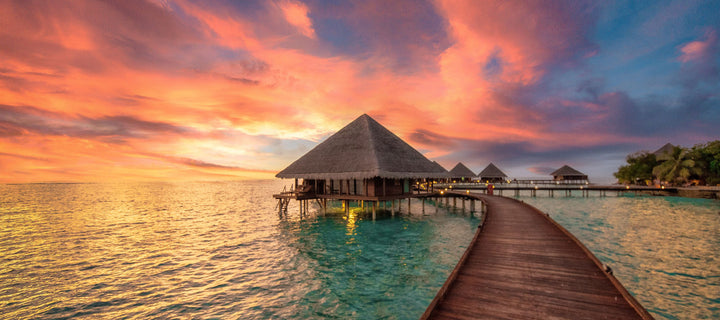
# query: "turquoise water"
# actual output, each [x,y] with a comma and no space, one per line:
[214,250]
[220,250]
[663,249]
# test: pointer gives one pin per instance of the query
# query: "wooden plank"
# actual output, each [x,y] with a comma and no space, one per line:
[523,265]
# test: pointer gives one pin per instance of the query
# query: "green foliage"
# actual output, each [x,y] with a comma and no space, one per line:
[678,169]
[708,159]
[702,163]
[639,168]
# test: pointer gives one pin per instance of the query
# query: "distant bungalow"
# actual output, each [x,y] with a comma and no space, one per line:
[462,173]
[569,174]
[362,161]
[664,153]
[491,173]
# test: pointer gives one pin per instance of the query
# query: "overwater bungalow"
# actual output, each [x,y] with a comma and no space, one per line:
[362,161]
[567,174]
[461,173]
[491,174]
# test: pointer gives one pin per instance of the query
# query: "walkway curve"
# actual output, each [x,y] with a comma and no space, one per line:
[523,265]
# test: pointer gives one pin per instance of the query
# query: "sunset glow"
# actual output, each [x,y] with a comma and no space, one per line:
[217,90]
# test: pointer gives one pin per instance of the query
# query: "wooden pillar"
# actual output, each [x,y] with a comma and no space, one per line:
[463,204]
[383,180]
[454,202]
[423,205]
[392,207]
[374,206]
[408,205]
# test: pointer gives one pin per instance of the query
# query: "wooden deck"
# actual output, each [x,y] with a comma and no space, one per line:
[522,265]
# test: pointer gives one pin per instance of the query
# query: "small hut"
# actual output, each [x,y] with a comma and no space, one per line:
[362,161]
[461,173]
[664,153]
[568,174]
[491,173]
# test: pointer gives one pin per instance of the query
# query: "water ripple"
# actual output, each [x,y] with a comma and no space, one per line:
[211,250]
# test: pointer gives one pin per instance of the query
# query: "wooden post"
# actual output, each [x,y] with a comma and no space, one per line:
[463,205]
[408,205]
[392,207]
[374,205]
[423,205]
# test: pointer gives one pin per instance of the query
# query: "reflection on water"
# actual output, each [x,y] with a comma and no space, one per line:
[663,249]
[212,250]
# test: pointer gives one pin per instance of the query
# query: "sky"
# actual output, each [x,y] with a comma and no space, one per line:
[96,91]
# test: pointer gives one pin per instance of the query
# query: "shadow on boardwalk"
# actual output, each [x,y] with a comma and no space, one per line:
[523,265]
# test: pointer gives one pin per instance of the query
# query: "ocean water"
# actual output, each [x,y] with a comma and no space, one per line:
[220,251]
[664,250]
[214,251]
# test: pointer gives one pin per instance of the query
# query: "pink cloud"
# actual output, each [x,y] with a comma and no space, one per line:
[296,13]
[700,49]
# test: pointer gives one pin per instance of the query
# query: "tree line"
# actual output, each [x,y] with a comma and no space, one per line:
[699,165]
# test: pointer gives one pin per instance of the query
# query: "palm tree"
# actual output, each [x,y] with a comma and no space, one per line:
[678,168]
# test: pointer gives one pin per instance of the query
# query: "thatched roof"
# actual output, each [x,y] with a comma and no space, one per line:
[567,171]
[461,171]
[665,152]
[492,172]
[362,149]
[440,166]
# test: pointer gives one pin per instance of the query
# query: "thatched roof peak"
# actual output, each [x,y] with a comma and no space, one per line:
[665,152]
[362,149]
[461,171]
[491,171]
[567,171]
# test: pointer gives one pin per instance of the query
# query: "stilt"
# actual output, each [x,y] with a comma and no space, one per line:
[454,202]
[408,206]
[374,205]
[423,205]
[463,205]
[392,207]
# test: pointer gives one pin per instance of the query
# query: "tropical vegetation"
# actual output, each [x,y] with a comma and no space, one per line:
[683,166]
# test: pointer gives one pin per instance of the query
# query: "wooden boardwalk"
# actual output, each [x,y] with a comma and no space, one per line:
[522,265]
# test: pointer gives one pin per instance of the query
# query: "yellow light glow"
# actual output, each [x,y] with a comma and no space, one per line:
[627,187]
